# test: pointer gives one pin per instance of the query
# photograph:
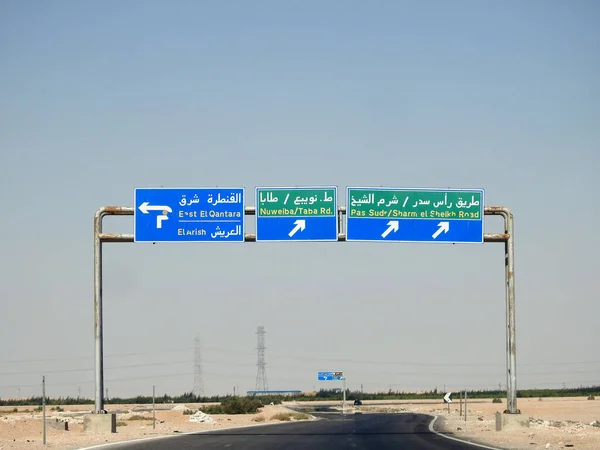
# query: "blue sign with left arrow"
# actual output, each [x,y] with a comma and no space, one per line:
[189,215]
[330,376]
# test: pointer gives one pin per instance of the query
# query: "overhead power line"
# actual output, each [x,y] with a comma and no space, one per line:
[306,358]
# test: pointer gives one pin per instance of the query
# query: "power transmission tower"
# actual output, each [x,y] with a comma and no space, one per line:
[198,385]
[261,374]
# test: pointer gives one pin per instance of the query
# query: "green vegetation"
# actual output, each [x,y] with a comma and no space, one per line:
[231,403]
[187,397]
[235,405]
[435,394]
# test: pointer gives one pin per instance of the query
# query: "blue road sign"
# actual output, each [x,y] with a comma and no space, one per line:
[415,215]
[189,215]
[296,214]
[330,376]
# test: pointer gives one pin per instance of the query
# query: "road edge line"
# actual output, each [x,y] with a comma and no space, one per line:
[432,429]
[188,433]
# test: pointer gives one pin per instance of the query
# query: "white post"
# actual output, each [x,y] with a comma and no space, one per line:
[344,400]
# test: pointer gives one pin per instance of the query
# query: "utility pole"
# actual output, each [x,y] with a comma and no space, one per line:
[153,407]
[44,408]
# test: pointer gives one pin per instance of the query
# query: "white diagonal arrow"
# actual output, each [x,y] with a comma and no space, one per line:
[447,398]
[300,225]
[393,226]
[145,207]
[443,226]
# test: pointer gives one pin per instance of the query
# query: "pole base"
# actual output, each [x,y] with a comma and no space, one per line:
[100,423]
[505,421]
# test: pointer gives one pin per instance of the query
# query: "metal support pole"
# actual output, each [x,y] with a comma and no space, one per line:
[98,326]
[507,237]
[344,398]
[153,407]
[44,409]
[465,405]
[98,338]
[510,298]
[511,345]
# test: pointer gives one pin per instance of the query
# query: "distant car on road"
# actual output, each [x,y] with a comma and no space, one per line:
[357,402]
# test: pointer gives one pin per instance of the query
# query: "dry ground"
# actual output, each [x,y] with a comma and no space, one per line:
[555,423]
[23,430]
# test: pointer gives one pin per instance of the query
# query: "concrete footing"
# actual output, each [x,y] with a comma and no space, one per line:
[100,423]
[509,422]
[57,424]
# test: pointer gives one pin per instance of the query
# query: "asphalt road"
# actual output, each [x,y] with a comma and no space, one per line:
[332,432]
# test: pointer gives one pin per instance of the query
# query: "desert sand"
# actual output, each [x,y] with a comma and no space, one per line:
[554,423]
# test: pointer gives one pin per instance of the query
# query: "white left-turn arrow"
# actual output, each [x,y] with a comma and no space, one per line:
[145,207]
[300,225]
[393,225]
[443,226]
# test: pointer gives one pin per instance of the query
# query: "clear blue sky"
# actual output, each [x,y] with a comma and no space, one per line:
[99,98]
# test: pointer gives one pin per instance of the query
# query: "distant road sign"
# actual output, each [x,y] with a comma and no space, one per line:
[329,376]
[296,214]
[448,397]
[189,214]
[414,215]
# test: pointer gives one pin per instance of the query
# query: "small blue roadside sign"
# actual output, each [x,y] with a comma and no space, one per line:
[330,376]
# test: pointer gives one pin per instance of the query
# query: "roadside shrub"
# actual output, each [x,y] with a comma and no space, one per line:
[234,405]
[496,400]
[212,409]
[241,405]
